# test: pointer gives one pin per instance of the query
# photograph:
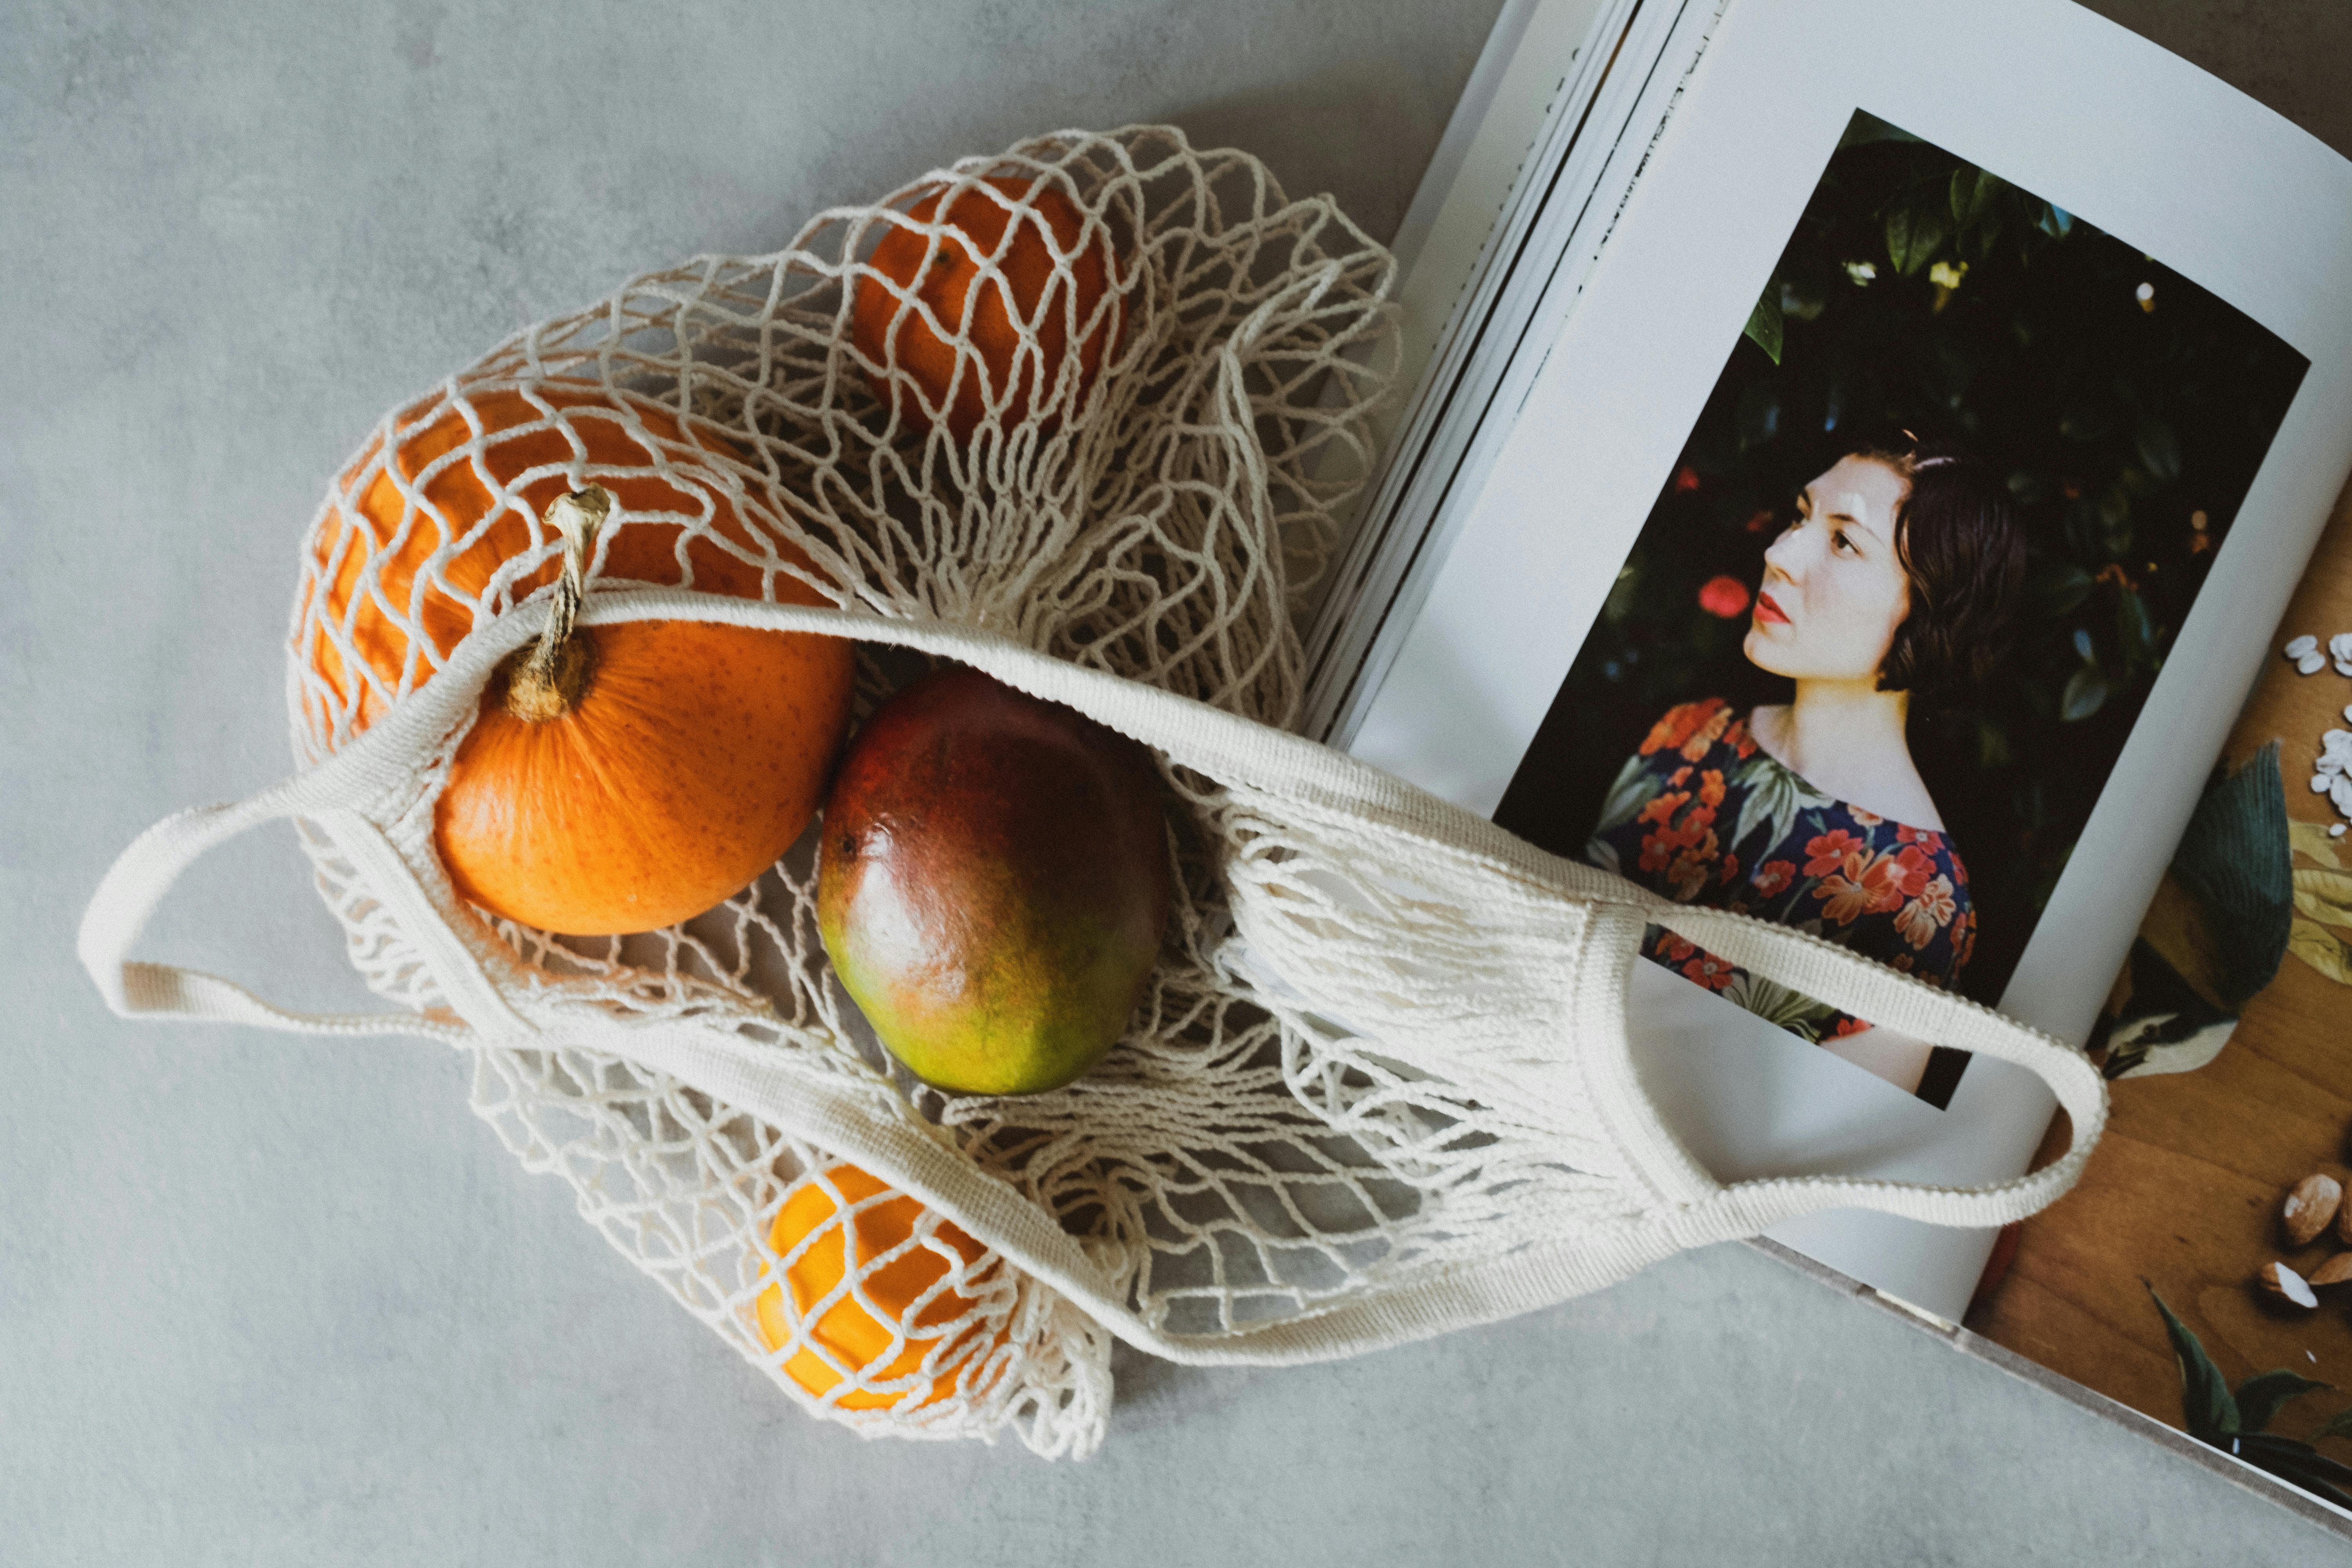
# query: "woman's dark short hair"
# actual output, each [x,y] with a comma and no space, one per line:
[1962,541]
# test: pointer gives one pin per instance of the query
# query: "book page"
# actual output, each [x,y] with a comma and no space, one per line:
[1719,399]
[2225,1151]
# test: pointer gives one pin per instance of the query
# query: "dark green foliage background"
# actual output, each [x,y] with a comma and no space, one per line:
[2116,423]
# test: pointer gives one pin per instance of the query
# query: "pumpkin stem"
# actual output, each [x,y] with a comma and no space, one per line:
[551,682]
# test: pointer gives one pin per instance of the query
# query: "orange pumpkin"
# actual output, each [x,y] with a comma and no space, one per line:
[946,274]
[855,1336]
[690,757]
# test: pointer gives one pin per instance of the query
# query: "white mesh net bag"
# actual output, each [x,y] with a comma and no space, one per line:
[1380,1084]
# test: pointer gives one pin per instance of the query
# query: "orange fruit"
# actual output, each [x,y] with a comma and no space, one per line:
[945,273]
[699,751]
[367,525]
[692,763]
[855,1336]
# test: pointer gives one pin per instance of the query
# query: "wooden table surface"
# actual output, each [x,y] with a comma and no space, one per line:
[2184,1192]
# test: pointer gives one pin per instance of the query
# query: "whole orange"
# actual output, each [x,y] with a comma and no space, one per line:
[855,1336]
[695,756]
[977,270]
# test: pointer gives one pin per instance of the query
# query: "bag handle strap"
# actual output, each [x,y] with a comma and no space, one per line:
[1223,743]
[339,796]
[374,766]
[1852,983]
[135,885]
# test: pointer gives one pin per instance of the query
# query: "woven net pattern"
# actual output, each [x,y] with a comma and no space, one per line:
[1149,493]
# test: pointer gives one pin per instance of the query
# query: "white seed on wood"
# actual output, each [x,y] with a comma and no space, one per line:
[2310,1207]
[2340,792]
[2321,781]
[2302,646]
[2340,646]
[2336,831]
[2311,664]
[2280,1281]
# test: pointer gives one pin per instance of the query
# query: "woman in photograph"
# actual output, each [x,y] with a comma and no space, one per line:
[1897,578]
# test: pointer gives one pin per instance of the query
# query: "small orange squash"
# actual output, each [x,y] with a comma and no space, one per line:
[853,1335]
[945,275]
[675,761]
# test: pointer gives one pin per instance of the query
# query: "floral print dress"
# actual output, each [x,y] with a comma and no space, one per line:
[1701,815]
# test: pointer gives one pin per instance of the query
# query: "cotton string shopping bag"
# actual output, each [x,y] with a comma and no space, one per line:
[1380,1086]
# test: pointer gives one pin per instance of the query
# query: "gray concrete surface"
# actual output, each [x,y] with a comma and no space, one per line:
[265,1301]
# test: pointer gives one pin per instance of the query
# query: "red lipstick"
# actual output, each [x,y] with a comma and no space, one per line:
[1768,611]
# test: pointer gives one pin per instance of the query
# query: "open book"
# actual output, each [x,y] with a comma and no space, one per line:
[1861,454]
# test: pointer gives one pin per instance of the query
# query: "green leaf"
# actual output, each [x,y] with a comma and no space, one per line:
[2141,1053]
[2206,1408]
[1623,592]
[2325,896]
[1916,230]
[2234,860]
[2338,1426]
[1972,194]
[2310,839]
[2295,1451]
[2290,1460]
[2261,1397]
[2057,586]
[1766,323]
[2133,627]
[1802,301]
[2115,516]
[1982,236]
[1777,1004]
[1634,788]
[2315,945]
[2086,689]
[2159,449]
[1775,795]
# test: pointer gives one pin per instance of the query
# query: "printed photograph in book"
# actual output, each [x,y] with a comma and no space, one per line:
[1872,657]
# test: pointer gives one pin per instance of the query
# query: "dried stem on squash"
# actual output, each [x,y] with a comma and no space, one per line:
[551,682]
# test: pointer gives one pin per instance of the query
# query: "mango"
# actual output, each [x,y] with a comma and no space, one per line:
[993,883]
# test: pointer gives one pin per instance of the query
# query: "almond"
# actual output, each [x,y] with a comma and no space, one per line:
[2284,1282]
[2308,1209]
[2334,1271]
